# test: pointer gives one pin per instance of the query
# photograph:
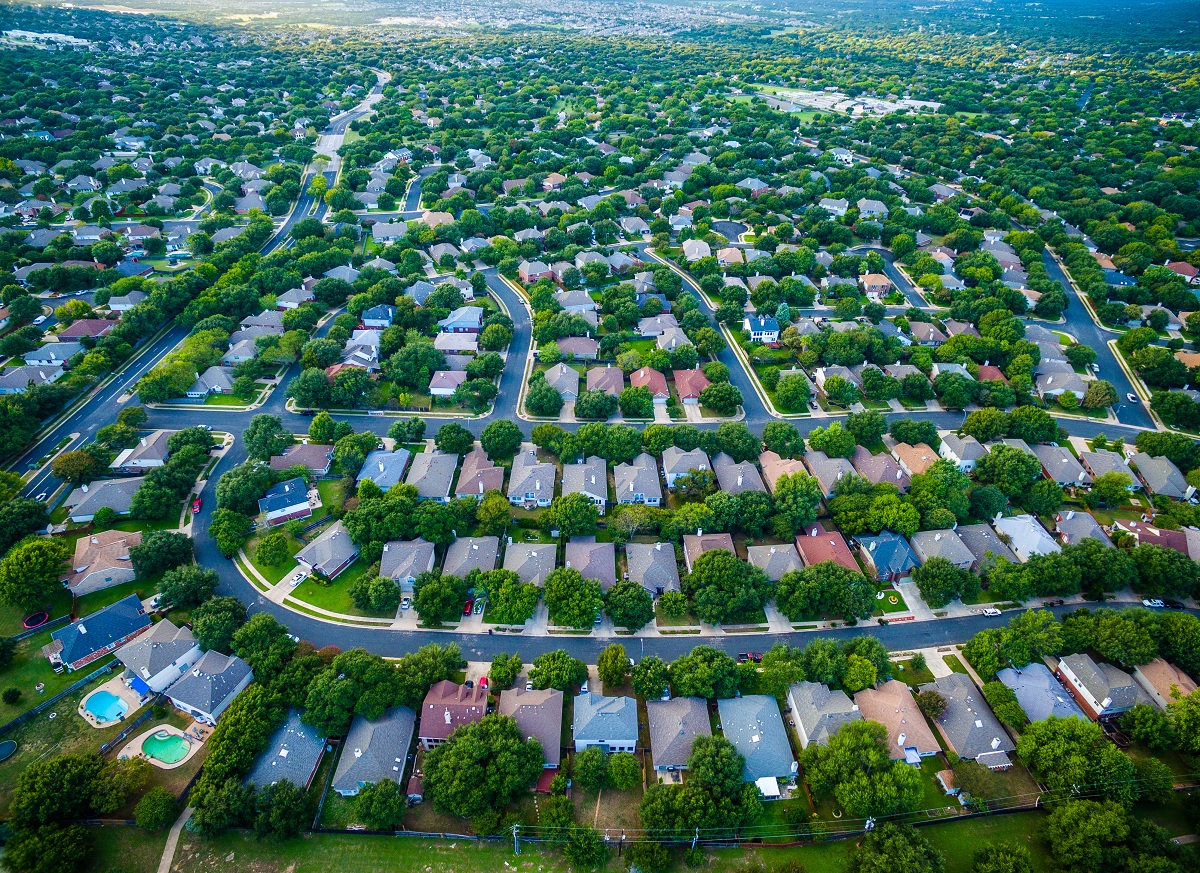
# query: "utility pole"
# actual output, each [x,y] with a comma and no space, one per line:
[621,845]
[516,840]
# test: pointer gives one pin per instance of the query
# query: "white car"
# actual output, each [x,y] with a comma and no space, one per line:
[297,579]
[39,319]
[991,611]
[1153,603]
[528,686]
[1131,397]
[405,604]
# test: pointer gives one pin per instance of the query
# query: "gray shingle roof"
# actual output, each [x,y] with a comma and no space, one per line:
[156,649]
[532,562]
[754,726]
[941,544]
[639,477]
[471,553]
[530,476]
[1077,525]
[375,751]
[1161,476]
[1040,694]
[593,560]
[737,478]
[820,712]
[676,462]
[293,754]
[968,722]
[431,474]
[609,719]
[1061,466]
[115,493]
[981,539]
[653,566]
[406,560]
[283,495]
[587,477]
[385,469]
[209,684]
[330,550]
[774,560]
[674,726]
[1103,681]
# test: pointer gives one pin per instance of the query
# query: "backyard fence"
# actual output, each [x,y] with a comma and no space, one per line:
[53,623]
[43,706]
[140,720]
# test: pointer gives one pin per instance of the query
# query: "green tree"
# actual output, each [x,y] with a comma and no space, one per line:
[30,572]
[856,769]
[629,605]
[272,549]
[797,499]
[501,439]
[590,768]
[510,601]
[572,600]
[156,810]
[557,669]
[161,550]
[651,677]
[1067,754]
[1112,488]
[1086,835]
[722,587]
[439,598]
[624,771]
[265,436]
[215,621]
[704,672]
[454,439]
[282,811]
[187,587]
[940,582]
[613,665]
[77,467]
[572,515]
[895,849]
[381,805]
[504,670]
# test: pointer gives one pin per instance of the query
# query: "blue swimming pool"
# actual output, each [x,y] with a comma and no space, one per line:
[106,706]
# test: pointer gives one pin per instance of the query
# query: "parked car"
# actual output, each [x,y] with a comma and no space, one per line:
[478,607]
[1174,604]
[528,686]
[297,579]
[39,319]
[468,606]
[1131,397]
[991,611]
[405,603]
[483,683]
[196,505]
[1153,603]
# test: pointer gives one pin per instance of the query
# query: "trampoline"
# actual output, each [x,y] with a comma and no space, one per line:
[7,749]
[36,620]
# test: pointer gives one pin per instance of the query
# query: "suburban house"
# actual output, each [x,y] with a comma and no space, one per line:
[1161,476]
[405,560]
[676,463]
[86,327]
[608,722]
[206,689]
[689,384]
[431,473]
[94,636]
[638,482]
[875,286]
[214,380]
[736,478]
[385,468]
[1026,536]
[117,494]
[774,467]
[150,452]
[446,706]
[478,475]
[531,562]
[1163,681]
[888,557]
[1101,690]
[1103,461]
[942,544]
[892,705]
[589,478]
[695,249]
[158,657]
[1060,466]
[828,471]
[964,451]
[984,545]
[374,751]
[762,329]
[970,727]
[755,727]
[530,482]
[1155,536]
[101,561]
[914,460]
[465,319]
[694,545]
[379,317]
[446,382]
[295,298]
[330,553]
[53,354]
[653,566]
[580,348]
[1040,694]
[565,380]
[538,715]
[880,468]
[1074,526]
[471,553]
[674,725]
[293,753]
[285,501]
[653,380]
[531,271]
[593,560]
[818,545]
[819,712]
[774,560]
[313,457]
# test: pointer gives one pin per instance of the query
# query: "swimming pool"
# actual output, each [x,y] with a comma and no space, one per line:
[106,706]
[166,747]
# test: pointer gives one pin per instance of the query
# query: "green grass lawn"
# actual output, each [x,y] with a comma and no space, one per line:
[886,605]
[332,495]
[97,600]
[274,573]
[11,618]
[28,668]
[131,850]
[955,664]
[335,596]
[910,676]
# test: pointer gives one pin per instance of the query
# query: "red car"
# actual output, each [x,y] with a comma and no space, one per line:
[483,683]
[195,505]
[468,607]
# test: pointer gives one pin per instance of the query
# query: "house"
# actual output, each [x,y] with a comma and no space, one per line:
[819,712]
[446,707]
[754,185]
[1026,536]
[729,255]
[774,560]
[926,334]
[694,545]
[538,715]
[736,478]
[531,271]
[313,457]
[695,249]
[653,566]
[16,380]
[385,233]
[676,463]
[1060,466]
[53,354]
[576,301]
[206,689]
[457,343]
[431,473]
[117,494]
[942,544]
[671,339]
[467,554]
[239,353]
[593,560]
[984,545]
[465,319]
[272,321]
[579,348]
[880,468]
[330,553]
[888,556]
[753,725]
[1161,476]
[385,468]
[608,722]
[294,298]
[774,467]
[404,561]
[1155,536]
[674,726]
[158,657]
[1101,690]
[478,475]
[828,471]
[292,754]
[346,273]
[610,380]
[817,545]
[653,380]
[876,286]
[762,329]
[444,383]
[379,317]
[589,478]
[532,563]
[1039,693]
[823,374]
[637,482]
[970,727]
[655,325]
[868,208]
[1053,385]
[565,380]
[374,751]
[96,635]
[285,501]
[1074,526]
[835,206]
[1163,681]
[914,460]
[150,452]
[1190,273]
[126,302]
[530,482]
[892,705]
[102,561]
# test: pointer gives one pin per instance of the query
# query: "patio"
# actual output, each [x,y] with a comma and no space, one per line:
[109,703]
[194,735]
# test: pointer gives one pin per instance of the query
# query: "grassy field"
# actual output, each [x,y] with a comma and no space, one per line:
[130,850]
[11,617]
[29,667]
[336,595]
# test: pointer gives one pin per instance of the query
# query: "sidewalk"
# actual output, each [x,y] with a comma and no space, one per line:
[168,856]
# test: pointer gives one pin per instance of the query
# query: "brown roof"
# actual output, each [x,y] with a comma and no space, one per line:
[103,551]
[312,456]
[87,327]
[774,466]
[879,468]
[1188,359]
[448,705]
[991,373]
[478,475]
[610,380]
[917,459]
[652,379]
[893,706]
[694,546]
[689,383]
[816,545]
[578,345]
[1164,677]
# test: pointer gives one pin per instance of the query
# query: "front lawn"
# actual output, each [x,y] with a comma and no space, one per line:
[885,605]
[335,597]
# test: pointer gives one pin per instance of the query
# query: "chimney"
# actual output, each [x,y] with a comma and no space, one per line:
[699,532]
[658,547]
